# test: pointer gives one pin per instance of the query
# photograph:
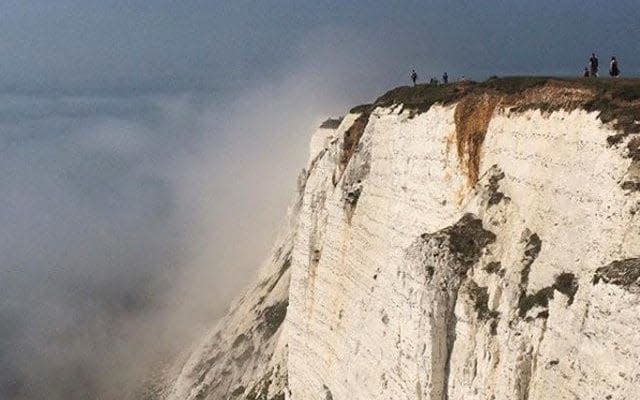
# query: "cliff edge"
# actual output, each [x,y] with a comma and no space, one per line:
[466,241]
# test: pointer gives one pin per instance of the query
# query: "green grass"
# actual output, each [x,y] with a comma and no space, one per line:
[419,97]
[616,100]
[512,84]
[422,97]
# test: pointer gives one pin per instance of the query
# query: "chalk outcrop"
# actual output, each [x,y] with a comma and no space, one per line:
[460,242]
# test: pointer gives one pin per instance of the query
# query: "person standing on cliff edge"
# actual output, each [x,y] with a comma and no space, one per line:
[614,71]
[414,76]
[593,65]
[445,78]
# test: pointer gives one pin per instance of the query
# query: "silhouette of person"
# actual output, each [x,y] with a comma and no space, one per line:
[614,71]
[593,65]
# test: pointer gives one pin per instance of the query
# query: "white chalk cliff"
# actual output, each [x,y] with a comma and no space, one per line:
[451,243]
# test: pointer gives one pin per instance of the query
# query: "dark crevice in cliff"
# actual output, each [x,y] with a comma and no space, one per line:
[631,180]
[273,281]
[537,299]
[532,248]
[451,339]
[356,172]
[350,196]
[303,177]
[272,317]
[564,283]
[495,196]
[327,393]
[352,138]
[447,255]
[624,273]
[466,239]
[494,267]
[567,284]
[480,297]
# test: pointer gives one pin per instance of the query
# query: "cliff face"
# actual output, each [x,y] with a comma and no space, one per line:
[461,242]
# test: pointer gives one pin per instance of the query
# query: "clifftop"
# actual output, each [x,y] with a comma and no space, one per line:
[615,99]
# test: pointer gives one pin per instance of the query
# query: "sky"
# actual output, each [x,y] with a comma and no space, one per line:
[149,150]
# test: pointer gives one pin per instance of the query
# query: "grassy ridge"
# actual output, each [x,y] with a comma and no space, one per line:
[616,100]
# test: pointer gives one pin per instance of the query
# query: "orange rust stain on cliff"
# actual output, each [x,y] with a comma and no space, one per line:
[472,116]
[352,138]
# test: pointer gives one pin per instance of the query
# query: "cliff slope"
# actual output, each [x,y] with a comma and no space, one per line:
[468,241]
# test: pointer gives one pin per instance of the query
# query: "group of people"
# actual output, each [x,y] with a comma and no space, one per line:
[591,70]
[432,81]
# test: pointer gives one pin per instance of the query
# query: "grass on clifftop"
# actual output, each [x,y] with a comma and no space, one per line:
[616,99]
[419,97]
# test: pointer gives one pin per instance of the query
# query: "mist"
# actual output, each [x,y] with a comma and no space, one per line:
[130,221]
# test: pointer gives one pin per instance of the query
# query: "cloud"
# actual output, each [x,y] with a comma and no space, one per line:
[127,223]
